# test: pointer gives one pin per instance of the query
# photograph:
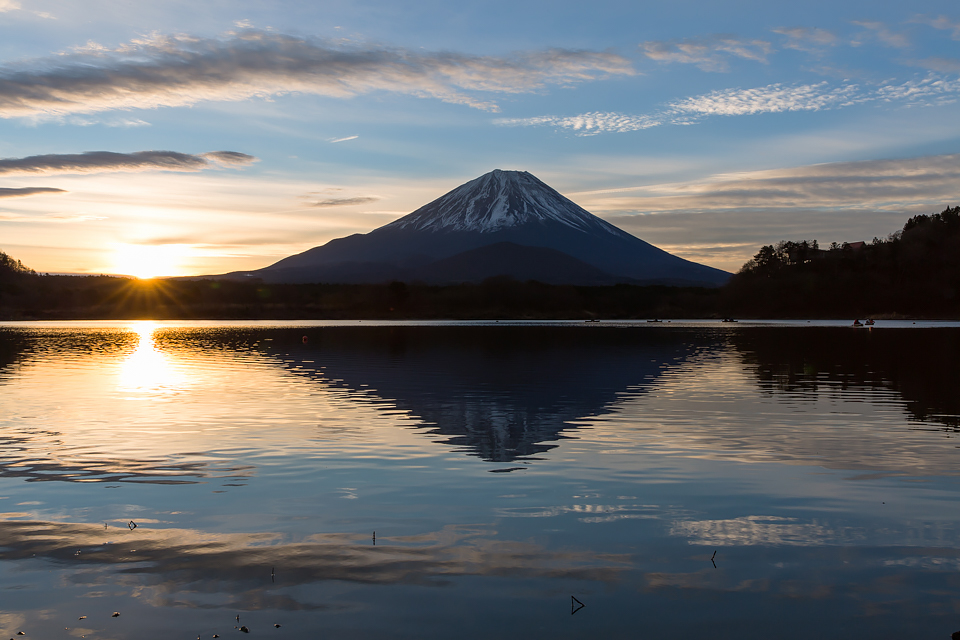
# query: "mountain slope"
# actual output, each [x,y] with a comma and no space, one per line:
[500,206]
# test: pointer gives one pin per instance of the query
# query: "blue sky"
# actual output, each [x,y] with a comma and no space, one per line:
[706,128]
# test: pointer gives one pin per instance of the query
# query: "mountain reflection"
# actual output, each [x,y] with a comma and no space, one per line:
[921,365]
[500,393]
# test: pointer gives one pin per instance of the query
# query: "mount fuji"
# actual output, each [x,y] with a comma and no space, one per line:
[502,223]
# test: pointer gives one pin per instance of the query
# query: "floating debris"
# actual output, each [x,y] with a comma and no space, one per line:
[244,629]
[82,618]
[116,614]
[277,626]
[575,605]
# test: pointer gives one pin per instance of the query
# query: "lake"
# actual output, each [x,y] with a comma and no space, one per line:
[479,480]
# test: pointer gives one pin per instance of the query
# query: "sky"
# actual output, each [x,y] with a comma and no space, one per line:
[184,138]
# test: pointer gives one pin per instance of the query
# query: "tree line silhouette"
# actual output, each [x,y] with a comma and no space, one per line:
[912,272]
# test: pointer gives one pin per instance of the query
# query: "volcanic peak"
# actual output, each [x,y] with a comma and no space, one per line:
[498,200]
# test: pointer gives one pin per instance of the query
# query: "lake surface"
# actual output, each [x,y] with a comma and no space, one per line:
[438,480]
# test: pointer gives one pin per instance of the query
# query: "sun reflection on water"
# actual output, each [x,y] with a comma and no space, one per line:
[148,369]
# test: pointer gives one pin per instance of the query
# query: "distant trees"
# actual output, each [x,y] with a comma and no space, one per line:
[914,271]
[11,267]
[771,259]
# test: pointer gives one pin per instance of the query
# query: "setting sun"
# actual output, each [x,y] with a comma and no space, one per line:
[149,261]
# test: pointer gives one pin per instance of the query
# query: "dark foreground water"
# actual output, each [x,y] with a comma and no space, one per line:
[680,481]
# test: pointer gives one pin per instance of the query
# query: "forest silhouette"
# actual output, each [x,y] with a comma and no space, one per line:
[914,272]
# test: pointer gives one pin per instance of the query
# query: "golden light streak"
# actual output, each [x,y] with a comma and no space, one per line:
[148,369]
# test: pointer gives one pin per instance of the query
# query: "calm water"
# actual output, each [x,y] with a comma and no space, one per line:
[680,480]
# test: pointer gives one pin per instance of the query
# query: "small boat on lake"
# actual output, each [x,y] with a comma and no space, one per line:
[728,320]
[857,323]
[869,322]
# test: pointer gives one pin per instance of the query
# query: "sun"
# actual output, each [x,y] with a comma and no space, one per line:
[149,261]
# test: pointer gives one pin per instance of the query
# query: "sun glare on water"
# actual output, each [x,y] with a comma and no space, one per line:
[149,261]
[147,369]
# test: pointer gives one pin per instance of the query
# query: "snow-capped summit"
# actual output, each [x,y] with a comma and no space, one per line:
[498,200]
[502,223]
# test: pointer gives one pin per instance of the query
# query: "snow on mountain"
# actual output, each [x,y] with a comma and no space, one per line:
[498,200]
[511,209]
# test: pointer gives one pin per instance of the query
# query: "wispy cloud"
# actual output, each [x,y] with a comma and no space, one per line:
[774,98]
[709,54]
[100,161]
[336,140]
[806,39]
[343,202]
[943,65]
[882,33]
[879,184]
[941,22]
[13,5]
[8,192]
[589,123]
[723,219]
[179,70]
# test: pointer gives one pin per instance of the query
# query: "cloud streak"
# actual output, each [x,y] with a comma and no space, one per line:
[943,23]
[723,219]
[879,184]
[774,98]
[10,192]
[708,54]
[806,39]
[102,161]
[179,70]
[344,202]
[884,34]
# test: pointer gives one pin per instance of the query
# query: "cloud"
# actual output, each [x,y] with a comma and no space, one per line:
[343,202]
[180,70]
[336,140]
[709,54]
[943,23]
[724,219]
[8,5]
[774,98]
[100,161]
[880,30]
[805,39]
[878,184]
[8,192]
[943,65]
[128,122]
[589,123]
